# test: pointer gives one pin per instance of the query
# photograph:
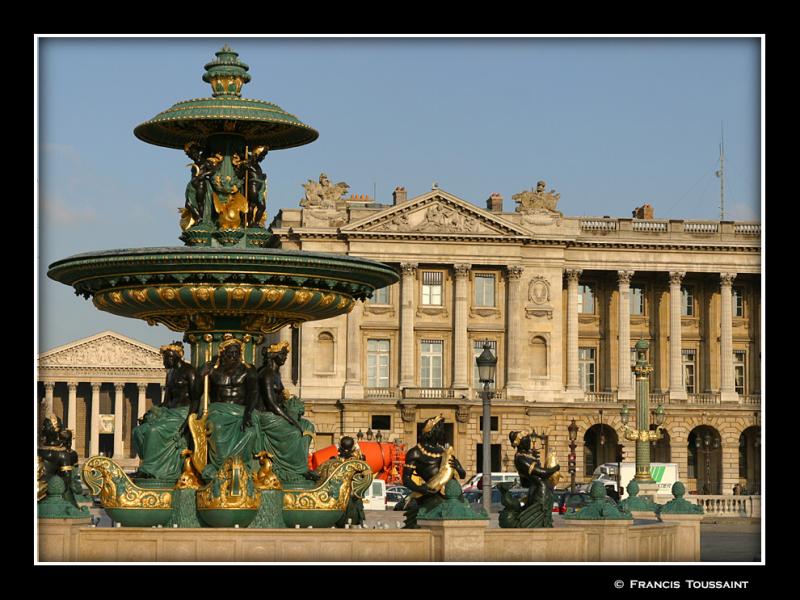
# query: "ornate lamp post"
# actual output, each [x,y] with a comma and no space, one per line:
[707,443]
[369,434]
[641,434]
[360,435]
[573,436]
[379,436]
[487,362]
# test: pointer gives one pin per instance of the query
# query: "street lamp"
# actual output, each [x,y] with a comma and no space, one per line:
[487,362]
[708,443]
[360,435]
[573,436]
[379,436]
[369,434]
[641,434]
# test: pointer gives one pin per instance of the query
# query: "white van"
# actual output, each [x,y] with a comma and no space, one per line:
[375,496]
[496,478]
[664,474]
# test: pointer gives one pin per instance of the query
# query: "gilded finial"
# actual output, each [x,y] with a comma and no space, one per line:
[279,346]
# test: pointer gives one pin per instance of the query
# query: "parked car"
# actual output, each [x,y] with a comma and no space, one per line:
[475,497]
[477,479]
[574,502]
[400,489]
[392,498]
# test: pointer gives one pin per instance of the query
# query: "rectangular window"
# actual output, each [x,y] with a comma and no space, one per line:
[484,289]
[585,299]
[432,288]
[378,363]
[637,300]
[687,301]
[586,368]
[381,296]
[689,370]
[738,302]
[739,370]
[494,423]
[431,363]
[379,422]
[477,349]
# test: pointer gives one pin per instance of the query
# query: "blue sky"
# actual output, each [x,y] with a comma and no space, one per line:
[609,123]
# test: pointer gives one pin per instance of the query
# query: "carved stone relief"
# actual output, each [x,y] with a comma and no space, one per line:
[106,351]
[539,296]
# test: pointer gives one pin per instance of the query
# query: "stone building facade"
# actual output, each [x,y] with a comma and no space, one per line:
[99,386]
[562,301]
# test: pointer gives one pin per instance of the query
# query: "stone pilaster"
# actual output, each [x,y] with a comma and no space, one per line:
[141,405]
[72,409]
[48,397]
[624,389]
[408,273]
[515,337]
[94,432]
[460,342]
[353,386]
[677,391]
[573,384]
[727,390]
[118,400]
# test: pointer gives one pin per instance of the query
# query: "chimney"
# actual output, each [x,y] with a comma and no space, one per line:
[399,195]
[495,203]
[645,211]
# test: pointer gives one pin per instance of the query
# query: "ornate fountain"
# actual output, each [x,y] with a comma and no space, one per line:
[228,285]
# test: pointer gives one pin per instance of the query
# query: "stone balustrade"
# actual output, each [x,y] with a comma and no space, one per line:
[598,224]
[651,226]
[747,228]
[382,393]
[496,394]
[724,506]
[619,227]
[608,397]
[704,398]
[700,227]
[429,393]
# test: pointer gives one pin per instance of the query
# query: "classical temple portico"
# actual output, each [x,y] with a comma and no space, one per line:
[100,386]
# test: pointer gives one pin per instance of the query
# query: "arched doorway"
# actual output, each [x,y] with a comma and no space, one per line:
[599,446]
[660,450]
[705,459]
[750,459]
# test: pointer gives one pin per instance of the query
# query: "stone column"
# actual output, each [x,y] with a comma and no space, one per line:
[677,391]
[515,337]
[94,431]
[48,398]
[118,399]
[573,384]
[460,341]
[408,271]
[624,390]
[141,405]
[285,335]
[727,389]
[72,410]
[353,386]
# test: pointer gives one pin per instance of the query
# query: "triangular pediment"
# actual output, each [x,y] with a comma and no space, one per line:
[106,349]
[436,212]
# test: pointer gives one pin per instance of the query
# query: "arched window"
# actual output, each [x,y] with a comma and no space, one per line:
[325,353]
[539,357]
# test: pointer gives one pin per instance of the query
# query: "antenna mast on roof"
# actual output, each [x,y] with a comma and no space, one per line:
[721,174]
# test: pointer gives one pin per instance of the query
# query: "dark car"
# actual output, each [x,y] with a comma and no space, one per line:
[475,497]
[572,502]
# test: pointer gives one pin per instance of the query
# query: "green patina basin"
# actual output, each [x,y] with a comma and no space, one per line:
[227,517]
[139,517]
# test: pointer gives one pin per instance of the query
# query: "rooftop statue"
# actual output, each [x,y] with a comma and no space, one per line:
[323,194]
[537,200]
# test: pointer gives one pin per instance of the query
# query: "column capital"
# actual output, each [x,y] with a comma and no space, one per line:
[408,269]
[142,386]
[624,277]
[676,277]
[49,385]
[462,270]
[572,275]
[72,385]
[118,386]
[726,279]
[515,271]
[96,386]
